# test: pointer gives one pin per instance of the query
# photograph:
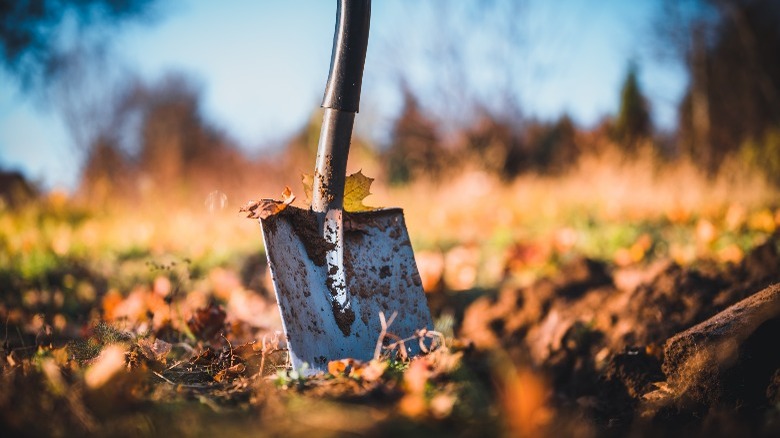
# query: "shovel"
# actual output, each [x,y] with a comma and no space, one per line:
[338,275]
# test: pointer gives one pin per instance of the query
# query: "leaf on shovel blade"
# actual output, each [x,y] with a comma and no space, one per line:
[307,180]
[267,207]
[356,188]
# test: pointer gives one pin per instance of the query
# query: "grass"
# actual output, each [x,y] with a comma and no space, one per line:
[608,208]
[77,279]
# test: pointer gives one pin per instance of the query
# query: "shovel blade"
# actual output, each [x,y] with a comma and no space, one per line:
[381,276]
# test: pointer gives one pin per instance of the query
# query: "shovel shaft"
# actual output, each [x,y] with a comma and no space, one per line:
[341,102]
[331,168]
[350,42]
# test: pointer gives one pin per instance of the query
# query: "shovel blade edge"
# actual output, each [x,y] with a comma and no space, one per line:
[381,275]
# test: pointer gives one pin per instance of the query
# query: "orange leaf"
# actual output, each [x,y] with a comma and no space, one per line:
[370,371]
[340,367]
[267,207]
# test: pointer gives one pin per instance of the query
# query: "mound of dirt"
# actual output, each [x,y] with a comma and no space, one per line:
[729,360]
[603,344]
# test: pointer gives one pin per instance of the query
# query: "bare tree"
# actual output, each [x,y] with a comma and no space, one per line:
[730,49]
[36,35]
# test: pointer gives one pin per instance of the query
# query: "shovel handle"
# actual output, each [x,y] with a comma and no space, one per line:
[350,41]
[341,102]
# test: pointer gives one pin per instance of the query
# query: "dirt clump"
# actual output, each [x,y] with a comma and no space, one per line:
[730,359]
[602,345]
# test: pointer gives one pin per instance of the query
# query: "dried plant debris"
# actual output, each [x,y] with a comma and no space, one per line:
[686,350]
[267,207]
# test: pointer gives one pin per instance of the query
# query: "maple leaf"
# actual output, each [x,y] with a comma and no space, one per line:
[307,180]
[356,188]
[267,207]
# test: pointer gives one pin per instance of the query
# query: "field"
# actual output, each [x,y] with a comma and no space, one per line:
[553,296]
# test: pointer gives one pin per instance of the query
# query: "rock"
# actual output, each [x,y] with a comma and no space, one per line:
[729,360]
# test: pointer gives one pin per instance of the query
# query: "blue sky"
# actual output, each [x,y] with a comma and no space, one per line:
[262,66]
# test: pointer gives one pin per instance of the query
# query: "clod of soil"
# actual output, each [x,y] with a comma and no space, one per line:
[729,359]
[600,344]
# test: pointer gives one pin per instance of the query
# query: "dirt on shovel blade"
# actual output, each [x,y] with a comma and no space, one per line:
[381,275]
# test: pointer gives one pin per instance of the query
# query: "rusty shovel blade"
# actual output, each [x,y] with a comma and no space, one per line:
[381,276]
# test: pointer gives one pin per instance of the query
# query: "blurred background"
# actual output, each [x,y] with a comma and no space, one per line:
[513,132]
[242,82]
[577,178]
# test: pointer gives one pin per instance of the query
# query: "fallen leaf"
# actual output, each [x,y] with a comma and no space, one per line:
[370,371]
[232,372]
[287,196]
[154,350]
[412,405]
[207,321]
[341,366]
[264,208]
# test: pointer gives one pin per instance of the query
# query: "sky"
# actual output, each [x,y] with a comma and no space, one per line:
[262,67]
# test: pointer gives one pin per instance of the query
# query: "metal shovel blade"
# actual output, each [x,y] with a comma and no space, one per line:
[381,276]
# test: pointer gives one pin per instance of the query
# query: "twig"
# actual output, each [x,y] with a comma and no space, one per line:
[383,333]
[163,377]
[174,365]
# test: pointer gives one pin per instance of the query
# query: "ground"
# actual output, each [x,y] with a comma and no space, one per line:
[600,322]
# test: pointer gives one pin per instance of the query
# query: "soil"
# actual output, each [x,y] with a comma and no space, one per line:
[594,350]
[627,359]
[304,222]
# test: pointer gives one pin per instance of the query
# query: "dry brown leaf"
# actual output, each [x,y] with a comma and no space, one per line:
[207,321]
[370,371]
[154,350]
[341,366]
[228,373]
[264,208]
